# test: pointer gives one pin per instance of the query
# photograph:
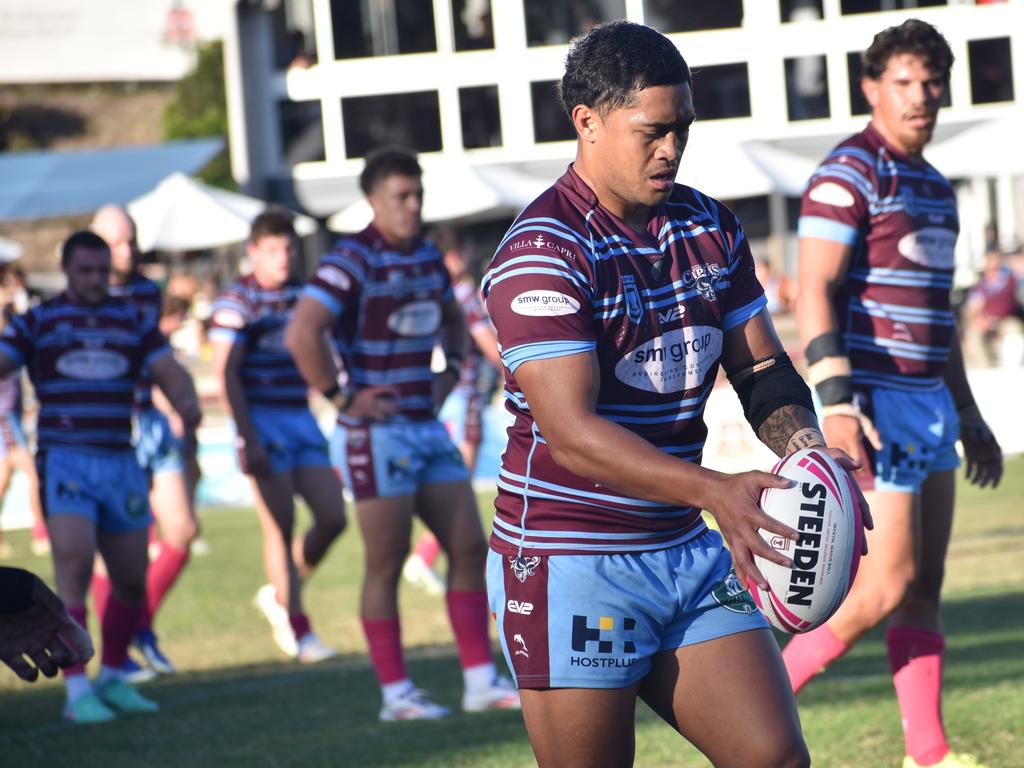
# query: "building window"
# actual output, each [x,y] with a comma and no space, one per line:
[302,132]
[874,6]
[721,91]
[796,11]
[549,120]
[692,15]
[807,88]
[294,43]
[556,22]
[411,120]
[382,27]
[991,70]
[481,117]
[474,30]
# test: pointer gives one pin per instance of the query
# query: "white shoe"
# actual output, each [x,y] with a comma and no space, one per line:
[419,574]
[284,635]
[199,548]
[312,649]
[414,705]
[501,694]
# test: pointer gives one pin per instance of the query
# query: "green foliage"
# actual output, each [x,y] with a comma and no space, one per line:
[199,109]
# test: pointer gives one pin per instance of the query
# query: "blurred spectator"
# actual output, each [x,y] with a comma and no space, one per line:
[995,313]
[778,289]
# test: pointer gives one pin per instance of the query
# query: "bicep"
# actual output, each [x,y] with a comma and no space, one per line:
[560,391]
[822,264]
[749,342]
[166,371]
[309,316]
[227,357]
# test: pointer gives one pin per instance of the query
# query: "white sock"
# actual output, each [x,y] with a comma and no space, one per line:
[392,692]
[107,674]
[77,685]
[479,677]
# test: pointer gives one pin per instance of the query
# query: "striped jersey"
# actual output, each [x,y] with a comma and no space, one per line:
[244,313]
[84,363]
[468,296]
[654,305]
[387,306]
[144,293]
[10,395]
[900,217]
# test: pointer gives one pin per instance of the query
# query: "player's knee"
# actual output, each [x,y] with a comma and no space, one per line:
[182,533]
[789,753]
[131,591]
[331,522]
[469,551]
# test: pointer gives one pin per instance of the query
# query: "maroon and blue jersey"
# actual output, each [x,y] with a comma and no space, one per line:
[387,305]
[900,218]
[84,363]
[468,296]
[244,313]
[10,395]
[569,277]
[145,294]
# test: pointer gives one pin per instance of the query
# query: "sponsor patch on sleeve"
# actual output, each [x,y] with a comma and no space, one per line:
[334,276]
[228,318]
[830,193]
[541,303]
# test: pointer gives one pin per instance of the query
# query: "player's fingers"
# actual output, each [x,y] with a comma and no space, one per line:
[760,547]
[42,660]
[768,480]
[77,640]
[743,562]
[22,668]
[843,459]
[871,432]
[768,523]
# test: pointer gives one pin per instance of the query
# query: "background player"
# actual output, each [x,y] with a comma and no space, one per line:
[877,230]
[462,412]
[617,295]
[84,352]
[279,443]
[388,298]
[161,453]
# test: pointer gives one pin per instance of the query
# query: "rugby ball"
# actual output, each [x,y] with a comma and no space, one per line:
[823,507]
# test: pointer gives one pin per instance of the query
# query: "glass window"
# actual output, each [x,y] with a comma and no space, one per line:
[807,87]
[549,119]
[302,132]
[991,70]
[801,10]
[481,117]
[372,28]
[873,6]
[294,43]
[691,15]
[473,24]
[556,22]
[721,91]
[411,120]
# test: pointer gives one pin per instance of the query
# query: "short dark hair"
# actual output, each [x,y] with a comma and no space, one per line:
[388,161]
[272,222]
[447,238]
[912,36]
[85,239]
[608,65]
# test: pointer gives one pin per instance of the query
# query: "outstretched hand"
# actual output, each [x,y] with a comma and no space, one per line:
[849,464]
[982,453]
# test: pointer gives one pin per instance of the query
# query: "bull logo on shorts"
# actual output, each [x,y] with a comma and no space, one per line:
[732,595]
[523,567]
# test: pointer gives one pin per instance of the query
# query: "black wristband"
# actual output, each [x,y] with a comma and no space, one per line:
[963,405]
[835,390]
[826,345]
[331,392]
[16,587]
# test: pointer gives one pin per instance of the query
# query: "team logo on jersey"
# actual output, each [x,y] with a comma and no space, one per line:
[634,306]
[541,303]
[703,277]
[673,362]
[523,567]
[732,595]
[930,247]
[417,318]
[334,276]
[92,364]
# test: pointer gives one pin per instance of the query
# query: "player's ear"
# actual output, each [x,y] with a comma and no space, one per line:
[869,88]
[585,121]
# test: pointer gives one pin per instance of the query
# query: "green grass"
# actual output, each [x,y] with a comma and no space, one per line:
[238,702]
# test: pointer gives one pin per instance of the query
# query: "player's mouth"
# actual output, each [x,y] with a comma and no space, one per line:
[664,180]
[921,121]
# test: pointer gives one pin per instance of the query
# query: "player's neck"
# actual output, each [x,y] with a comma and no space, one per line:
[915,154]
[268,283]
[120,278]
[632,215]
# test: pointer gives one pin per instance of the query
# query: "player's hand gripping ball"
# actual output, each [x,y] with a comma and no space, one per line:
[823,507]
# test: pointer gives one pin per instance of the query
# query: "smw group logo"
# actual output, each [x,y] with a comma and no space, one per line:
[607,644]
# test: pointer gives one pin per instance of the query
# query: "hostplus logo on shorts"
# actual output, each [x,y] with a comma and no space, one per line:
[605,639]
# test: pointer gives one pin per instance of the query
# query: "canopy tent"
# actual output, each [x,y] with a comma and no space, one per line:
[183,214]
[455,191]
[39,185]
[988,149]
[9,251]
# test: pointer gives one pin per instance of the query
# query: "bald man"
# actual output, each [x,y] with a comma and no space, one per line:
[166,458]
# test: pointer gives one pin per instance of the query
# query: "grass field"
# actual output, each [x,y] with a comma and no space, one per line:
[238,702]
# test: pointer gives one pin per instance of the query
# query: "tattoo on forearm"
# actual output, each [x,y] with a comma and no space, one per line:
[789,429]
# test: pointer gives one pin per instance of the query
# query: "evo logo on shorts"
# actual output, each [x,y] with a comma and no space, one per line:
[732,595]
[608,641]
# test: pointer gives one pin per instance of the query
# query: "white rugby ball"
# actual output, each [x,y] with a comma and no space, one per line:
[823,507]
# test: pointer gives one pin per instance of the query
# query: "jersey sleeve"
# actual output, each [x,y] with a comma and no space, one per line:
[540,302]
[744,297]
[153,342]
[17,338]
[338,279]
[472,307]
[836,202]
[229,316]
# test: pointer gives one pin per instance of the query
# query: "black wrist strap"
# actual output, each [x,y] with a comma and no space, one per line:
[332,391]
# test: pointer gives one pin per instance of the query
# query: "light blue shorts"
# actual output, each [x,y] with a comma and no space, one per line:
[396,458]
[291,438]
[919,432]
[157,448]
[596,621]
[111,489]
[462,416]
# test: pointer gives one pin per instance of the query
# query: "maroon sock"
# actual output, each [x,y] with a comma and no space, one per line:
[300,624]
[163,572]
[80,614]
[915,657]
[119,624]
[100,588]
[467,612]
[384,638]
